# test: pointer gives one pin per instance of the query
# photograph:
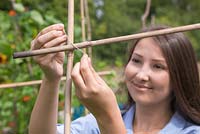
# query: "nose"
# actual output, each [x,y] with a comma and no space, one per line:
[142,75]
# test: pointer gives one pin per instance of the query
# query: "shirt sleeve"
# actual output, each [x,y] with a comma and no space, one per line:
[82,125]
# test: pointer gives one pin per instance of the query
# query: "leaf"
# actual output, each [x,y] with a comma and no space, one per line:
[37,17]
[5,48]
[19,7]
[6,22]
[51,19]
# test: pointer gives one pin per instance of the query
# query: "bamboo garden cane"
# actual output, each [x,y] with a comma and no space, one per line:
[70,57]
[37,82]
[89,30]
[146,13]
[83,22]
[82,9]
[107,41]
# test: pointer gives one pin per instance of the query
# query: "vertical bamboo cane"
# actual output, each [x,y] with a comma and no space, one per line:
[83,22]
[70,57]
[82,7]
[89,34]
[146,13]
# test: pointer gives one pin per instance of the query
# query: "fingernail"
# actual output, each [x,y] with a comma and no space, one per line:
[85,55]
[60,25]
[64,31]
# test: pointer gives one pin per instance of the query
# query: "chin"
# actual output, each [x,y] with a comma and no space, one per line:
[143,99]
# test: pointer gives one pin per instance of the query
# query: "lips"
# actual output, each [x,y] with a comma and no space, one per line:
[141,87]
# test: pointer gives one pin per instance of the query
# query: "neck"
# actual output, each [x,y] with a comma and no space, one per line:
[151,118]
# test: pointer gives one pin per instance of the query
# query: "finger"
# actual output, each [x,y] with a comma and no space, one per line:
[88,77]
[58,27]
[96,76]
[41,40]
[77,78]
[57,55]
[56,42]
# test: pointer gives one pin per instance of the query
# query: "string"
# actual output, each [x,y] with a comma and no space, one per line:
[77,48]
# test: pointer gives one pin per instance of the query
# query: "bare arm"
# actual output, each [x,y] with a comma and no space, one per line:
[44,115]
[111,122]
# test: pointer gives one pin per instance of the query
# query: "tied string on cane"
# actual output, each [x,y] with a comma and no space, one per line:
[77,48]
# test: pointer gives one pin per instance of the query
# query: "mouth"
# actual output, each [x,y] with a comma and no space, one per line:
[141,87]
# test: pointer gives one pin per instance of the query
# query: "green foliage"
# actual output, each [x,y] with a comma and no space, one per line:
[17,28]
[124,17]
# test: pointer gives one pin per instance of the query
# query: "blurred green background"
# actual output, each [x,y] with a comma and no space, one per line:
[21,20]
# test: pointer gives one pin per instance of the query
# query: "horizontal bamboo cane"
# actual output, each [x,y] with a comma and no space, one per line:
[107,41]
[37,82]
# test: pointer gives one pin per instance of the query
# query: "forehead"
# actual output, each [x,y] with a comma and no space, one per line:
[148,47]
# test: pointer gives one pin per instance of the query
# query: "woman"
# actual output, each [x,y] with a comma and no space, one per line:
[162,81]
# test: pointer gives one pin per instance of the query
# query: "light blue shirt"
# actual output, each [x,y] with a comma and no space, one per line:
[88,125]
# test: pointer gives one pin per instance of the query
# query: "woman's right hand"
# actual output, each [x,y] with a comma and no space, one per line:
[98,97]
[51,64]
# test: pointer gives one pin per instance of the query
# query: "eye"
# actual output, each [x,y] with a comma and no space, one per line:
[159,66]
[135,60]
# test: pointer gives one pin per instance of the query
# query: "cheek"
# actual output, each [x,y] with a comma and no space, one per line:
[162,83]
[126,73]
[129,72]
[164,80]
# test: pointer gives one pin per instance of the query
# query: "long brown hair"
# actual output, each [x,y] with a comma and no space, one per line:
[183,71]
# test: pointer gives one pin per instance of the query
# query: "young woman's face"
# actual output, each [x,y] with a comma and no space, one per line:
[147,75]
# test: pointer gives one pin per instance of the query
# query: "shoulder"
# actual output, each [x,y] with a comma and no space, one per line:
[128,115]
[82,125]
[178,125]
[85,125]
[191,129]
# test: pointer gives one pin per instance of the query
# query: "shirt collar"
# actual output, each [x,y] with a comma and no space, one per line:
[174,126]
[128,118]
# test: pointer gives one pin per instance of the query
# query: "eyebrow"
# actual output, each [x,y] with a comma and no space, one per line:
[157,60]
